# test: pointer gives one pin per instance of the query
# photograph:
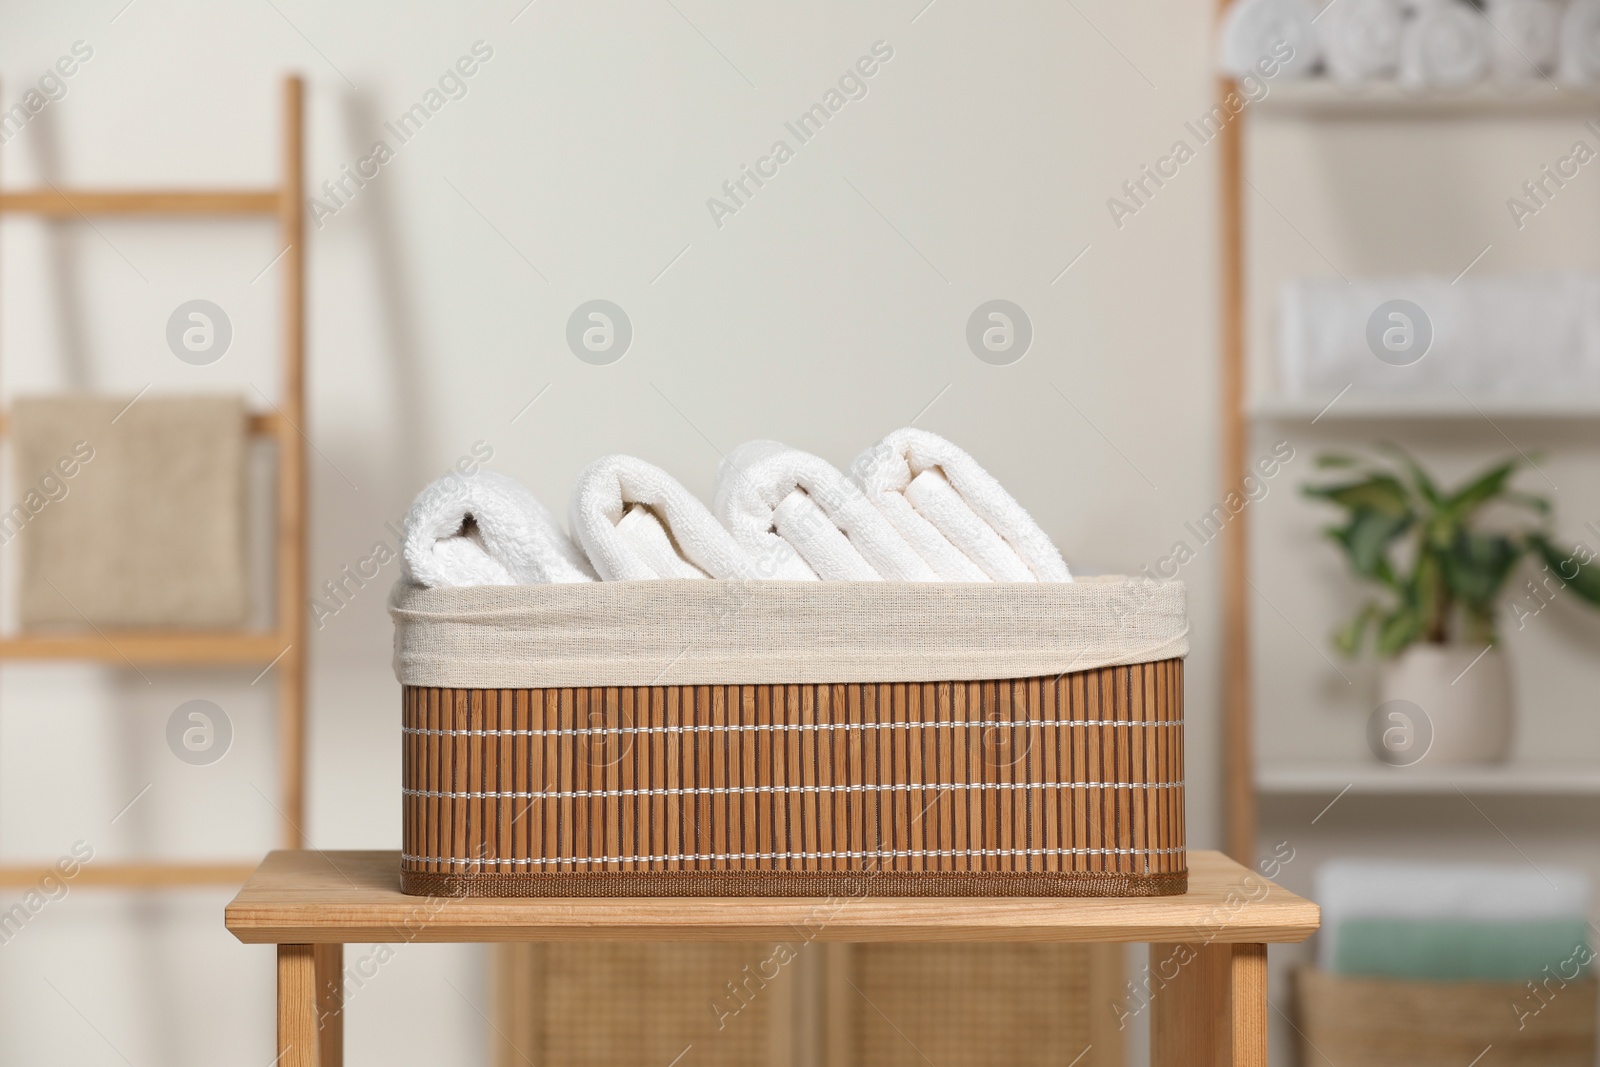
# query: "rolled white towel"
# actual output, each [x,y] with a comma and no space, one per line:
[1506,335]
[1579,62]
[638,522]
[487,529]
[1444,47]
[1524,38]
[954,513]
[1361,39]
[1258,32]
[801,519]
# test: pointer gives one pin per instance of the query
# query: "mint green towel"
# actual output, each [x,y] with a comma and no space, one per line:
[1461,949]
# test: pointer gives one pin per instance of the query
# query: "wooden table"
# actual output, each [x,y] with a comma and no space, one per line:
[1206,985]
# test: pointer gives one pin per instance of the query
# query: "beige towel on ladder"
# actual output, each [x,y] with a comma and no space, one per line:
[129,514]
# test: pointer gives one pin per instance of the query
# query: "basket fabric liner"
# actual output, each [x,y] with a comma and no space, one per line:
[705,738]
[779,633]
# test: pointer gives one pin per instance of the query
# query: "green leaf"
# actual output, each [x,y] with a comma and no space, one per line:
[1330,460]
[1398,631]
[1347,638]
[1477,566]
[1366,539]
[1380,492]
[1570,567]
[1488,486]
[1419,477]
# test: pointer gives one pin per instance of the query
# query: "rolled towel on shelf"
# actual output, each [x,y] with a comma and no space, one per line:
[487,529]
[1361,39]
[1524,38]
[1254,32]
[954,513]
[801,519]
[637,522]
[1443,46]
[1579,47]
[1529,335]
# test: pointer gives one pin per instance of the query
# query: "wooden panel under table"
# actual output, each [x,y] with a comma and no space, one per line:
[1063,785]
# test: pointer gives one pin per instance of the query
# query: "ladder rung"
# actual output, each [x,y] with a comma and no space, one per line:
[259,423]
[150,875]
[147,646]
[70,203]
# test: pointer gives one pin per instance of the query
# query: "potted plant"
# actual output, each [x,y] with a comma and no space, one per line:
[1441,567]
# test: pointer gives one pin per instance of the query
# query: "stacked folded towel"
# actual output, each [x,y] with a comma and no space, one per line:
[954,513]
[1258,32]
[1443,46]
[1452,922]
[1524,334]
[916,509]
[1422,44]
[637,522]
[1361,39]
[487,529]
[801,519]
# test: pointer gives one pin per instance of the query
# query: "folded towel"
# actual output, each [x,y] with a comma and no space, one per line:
[1524,38]
[1579,62]
[131,513]
[1361,39]
[1257,30]
[801,519]
[487,529]
[637,522]
[1352,891]
[1443,47]
[1460,950]
[1523,334]
[954,513]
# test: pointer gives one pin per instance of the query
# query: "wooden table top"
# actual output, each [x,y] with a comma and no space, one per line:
[308,897]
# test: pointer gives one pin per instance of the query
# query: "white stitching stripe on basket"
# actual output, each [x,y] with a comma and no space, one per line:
[714,856]
[721,790]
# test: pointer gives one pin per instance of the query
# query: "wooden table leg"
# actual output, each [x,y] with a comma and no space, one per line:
[310,1006]
[1209,1005]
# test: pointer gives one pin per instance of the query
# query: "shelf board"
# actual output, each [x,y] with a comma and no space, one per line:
[1323,98]
[1439,408]
[147,646]
[1373,778]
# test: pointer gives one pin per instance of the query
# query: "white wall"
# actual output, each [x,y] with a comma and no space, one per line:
[828,311]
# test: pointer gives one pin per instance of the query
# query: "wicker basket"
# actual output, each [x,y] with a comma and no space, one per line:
[1066,784]
[1385,1022]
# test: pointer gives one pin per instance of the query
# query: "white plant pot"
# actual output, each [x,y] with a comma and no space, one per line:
[1466,706]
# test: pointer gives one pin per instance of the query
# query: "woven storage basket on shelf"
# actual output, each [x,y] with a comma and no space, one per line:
[1386,1022]
[794,739]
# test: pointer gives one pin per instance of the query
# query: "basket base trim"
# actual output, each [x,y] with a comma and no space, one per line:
[795,884]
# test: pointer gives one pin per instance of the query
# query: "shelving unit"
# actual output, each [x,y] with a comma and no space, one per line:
[280,649]
[1351,408]
[1246,412]
[1374,779]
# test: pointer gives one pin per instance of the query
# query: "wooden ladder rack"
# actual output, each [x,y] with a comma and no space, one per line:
[282,648]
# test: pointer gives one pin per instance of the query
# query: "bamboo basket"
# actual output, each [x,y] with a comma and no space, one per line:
[1061,784]
[1385,1022]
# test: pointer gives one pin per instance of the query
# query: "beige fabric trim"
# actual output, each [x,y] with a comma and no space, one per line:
[772,633]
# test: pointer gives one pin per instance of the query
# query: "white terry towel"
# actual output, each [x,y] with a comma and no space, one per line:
[1361,39]
[1389,889]
[954,513]
[1257,30]
[1516,334]
[487,529]
[1524,38]
[801,519]
[1443,46]
[638,522]
[1579,62]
